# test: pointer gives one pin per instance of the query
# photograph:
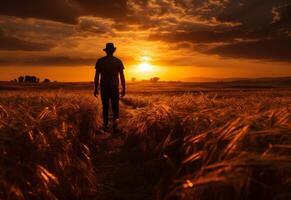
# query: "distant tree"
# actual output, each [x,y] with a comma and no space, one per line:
[27,79]
[33,79]
[20,79]
[133,79]
[155,79]
[15,80]
[46,80]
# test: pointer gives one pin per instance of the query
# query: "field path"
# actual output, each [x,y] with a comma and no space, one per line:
[119,168]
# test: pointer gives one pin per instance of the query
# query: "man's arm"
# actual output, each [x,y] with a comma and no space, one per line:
[96,82]
[122,79]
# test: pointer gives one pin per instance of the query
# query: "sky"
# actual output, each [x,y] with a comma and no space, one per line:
[171,39]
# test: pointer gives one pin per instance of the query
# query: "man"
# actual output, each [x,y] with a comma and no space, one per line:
[110,68]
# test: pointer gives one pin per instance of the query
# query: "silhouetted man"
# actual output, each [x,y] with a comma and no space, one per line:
[110,68]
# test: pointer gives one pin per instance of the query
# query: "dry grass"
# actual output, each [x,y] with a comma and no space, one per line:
[44,146]
[208,147]
[218,145]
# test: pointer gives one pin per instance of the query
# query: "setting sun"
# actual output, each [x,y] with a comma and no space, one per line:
[145,67]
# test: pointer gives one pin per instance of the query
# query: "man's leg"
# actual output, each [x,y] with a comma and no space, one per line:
[105,107]
[115,103]
[115,108]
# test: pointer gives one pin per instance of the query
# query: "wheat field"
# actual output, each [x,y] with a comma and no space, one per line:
[208,145]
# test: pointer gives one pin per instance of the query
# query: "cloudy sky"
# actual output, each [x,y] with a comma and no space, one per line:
[173,39]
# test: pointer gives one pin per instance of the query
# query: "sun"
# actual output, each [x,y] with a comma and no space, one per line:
[145,67]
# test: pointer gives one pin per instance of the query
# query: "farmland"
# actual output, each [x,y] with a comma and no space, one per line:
[175,141]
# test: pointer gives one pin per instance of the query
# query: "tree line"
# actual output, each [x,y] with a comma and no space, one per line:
[153,79]
[30,79]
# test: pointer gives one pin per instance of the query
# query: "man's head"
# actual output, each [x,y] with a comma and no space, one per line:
[109,49]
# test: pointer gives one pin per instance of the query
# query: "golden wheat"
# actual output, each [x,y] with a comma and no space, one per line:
[218,146]
[214,145]
[43,153]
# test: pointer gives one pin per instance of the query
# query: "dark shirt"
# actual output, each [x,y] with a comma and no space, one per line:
[109,67]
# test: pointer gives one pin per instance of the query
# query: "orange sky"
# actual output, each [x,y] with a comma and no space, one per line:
[172,39]
[86,73]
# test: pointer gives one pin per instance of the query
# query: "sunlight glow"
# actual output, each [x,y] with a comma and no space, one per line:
[145,67]
[145,58]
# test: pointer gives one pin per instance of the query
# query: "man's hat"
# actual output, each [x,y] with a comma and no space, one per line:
[109,47]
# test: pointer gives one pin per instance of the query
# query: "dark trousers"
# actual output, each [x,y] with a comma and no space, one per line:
[112,95]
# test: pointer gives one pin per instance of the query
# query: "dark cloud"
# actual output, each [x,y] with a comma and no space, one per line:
[206,36]
[103,8]
[254,13]
[61,61]
[47,61]
[181,45]
[121,26]
[284,16]
[64,10]
[13,44]
[57,10]
[263,28]
[36,30]
[70,11]
[235,28]
[93,25]
[268,49]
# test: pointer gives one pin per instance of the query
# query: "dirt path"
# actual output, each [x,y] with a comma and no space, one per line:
[119,168]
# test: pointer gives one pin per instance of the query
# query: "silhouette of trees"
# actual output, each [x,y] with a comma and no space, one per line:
[154,79]
[46,80]
[27,79]
[31,79]
[20,79]
[133,79]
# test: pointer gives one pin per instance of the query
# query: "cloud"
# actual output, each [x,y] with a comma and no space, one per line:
[63,10]
[15,44]
[229,28]
[36,29]
[181,45]
[61,61]
[240,29]
[56,10]
[198,36]
[283,15]
[102,8]
[94,25]
[53,34]
[47,61]
[268,49]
